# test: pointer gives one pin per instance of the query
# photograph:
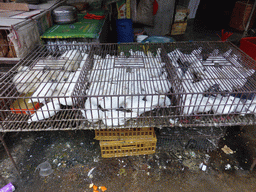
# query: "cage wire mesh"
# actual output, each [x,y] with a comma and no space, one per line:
[37,92]
[86,86]
[127,87]
[216,83]
[60,44]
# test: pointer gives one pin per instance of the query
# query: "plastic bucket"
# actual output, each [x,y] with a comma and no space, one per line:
[124,30]
[140,38]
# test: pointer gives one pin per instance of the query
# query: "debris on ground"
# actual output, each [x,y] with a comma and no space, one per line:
[45,169]
[227,150]
[203,167]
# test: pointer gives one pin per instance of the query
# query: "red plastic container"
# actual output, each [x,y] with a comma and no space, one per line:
[248,45]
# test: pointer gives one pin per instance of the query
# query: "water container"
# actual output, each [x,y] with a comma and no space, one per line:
[140,38]
[124,30]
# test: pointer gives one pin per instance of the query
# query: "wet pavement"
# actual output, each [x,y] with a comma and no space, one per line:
[76,163]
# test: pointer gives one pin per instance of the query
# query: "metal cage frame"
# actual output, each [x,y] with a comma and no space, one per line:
[99,86]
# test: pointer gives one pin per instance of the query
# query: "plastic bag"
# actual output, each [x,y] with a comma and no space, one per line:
[143,13]
[25,39]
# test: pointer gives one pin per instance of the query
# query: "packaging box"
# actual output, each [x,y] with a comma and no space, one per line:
[121,9]
[181,14]
[240,16]
[178,28]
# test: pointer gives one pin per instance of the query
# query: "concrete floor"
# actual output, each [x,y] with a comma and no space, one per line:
[76,163]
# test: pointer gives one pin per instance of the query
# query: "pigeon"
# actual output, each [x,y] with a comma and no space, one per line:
[195,103]
[84,58]
[223,105]
[44,91]
[92,112]
[48,110]
[26,80]
[116,117]
[74,58]
[63,91]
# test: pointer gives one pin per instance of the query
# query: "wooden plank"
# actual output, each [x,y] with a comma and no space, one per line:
[7,13]
[7,22]
[14,6]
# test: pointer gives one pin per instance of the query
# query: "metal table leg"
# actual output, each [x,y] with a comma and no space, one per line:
[8,153]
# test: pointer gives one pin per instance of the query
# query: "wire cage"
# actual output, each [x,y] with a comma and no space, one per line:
[37,93]
[128,87]
[216,83]
[99,86]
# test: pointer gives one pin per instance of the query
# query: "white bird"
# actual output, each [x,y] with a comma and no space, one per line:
[135,104]
[131,52]
[197,51]
[92,112]
[63,76]
[26,81]
[196,66]
[239,106]
[251,105]
[222,105]
[227,53]
[142,104]
[42,92]
[115,118]
[116,86]
[64,90]
[215,52]
[74,58]
[48,110]
[140,53]
[22,68]
[108,103]
[84,57]
[63,97]
[49,68]
[195,103]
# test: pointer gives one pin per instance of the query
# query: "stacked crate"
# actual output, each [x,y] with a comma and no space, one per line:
[180,21]
[126,142]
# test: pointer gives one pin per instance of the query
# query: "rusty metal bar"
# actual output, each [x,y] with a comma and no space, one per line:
[9,154]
